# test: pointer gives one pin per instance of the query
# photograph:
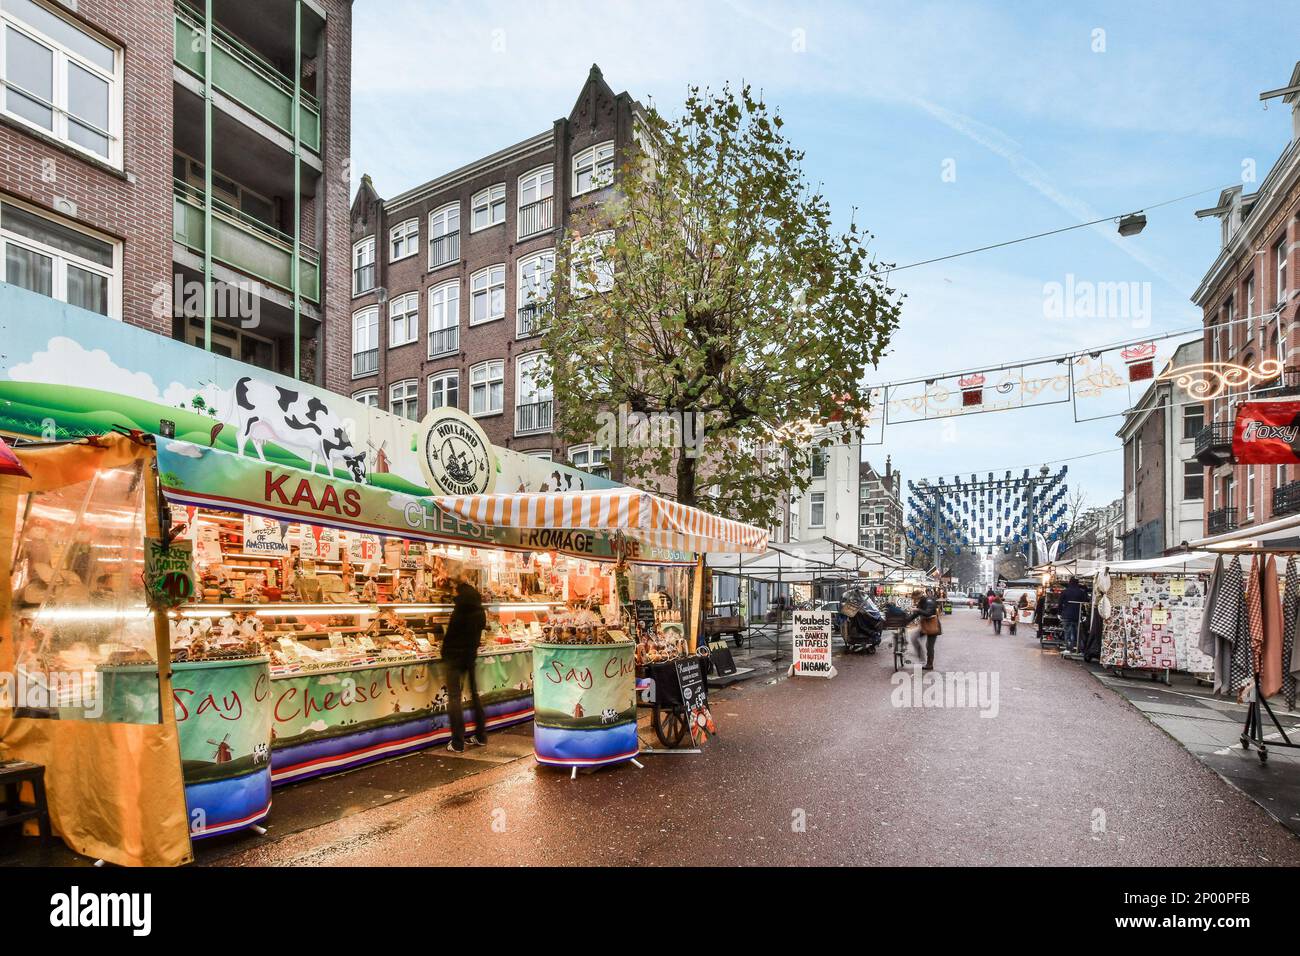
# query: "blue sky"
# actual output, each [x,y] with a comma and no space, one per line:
[1042,128]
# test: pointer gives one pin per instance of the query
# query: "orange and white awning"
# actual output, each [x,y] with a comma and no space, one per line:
[638,514]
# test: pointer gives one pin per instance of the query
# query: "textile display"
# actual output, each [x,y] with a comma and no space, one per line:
[1290,597]
[1269,662]
[1153,626]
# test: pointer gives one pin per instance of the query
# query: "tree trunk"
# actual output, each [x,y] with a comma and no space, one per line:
[686,473]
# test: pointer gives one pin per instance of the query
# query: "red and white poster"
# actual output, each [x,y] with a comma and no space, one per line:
[1267,433]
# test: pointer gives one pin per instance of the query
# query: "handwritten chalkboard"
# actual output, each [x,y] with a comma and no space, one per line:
[690,678]
[644,612]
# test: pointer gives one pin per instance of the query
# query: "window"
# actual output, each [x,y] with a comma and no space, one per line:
[55,260]
[543,455]
[368,397]
[61,79]
[819,462]
[444,318]
[403,319]
[1250,492]
[403,240]
[239,197]
[488,208]
[238,344]
[1279,256]
[1250,303]
[532,396]
[363,265]
[404,398]
[444,390]
[1193,481]
[593,168]
[1193,421]
[534,294]
[444,235]
[487,295]
[591,271]
[817,518]
[880,517]
[1280,478]
[590,459]
[535,203]
[365,342]
[487,388]
[864,519]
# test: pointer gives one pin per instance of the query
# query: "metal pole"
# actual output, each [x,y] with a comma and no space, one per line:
[295,279]
[207,175]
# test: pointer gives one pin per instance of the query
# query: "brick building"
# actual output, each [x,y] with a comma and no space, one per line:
[451,279]
[1249,302]
[880,509]
[104,180]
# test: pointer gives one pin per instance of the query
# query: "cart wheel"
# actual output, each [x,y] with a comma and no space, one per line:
[670,726]
[1263,755]
[1245,742]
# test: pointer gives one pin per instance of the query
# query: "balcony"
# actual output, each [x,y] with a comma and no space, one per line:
[243,243]
[1224,519]
[1286,499]
[444,249]
[244,77]
[365,363]
[536,217]
[444,341]
[533,417]
[1214,444]
[532,319]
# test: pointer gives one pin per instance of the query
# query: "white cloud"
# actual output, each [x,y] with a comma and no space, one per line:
[66,362]
[185,448]
[317,726]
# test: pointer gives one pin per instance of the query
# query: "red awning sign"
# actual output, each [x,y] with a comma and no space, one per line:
[1267,433]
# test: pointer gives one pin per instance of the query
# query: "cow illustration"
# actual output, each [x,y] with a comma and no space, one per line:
[296,421]
[608,715]
[260,753]
[440,701]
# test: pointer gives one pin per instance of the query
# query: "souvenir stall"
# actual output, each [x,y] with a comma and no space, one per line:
[1151,614]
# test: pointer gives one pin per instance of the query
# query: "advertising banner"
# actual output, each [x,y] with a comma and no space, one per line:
[1267,433]
[585,704]
[812,644]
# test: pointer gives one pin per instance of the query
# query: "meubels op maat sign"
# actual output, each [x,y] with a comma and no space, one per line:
[1267,433]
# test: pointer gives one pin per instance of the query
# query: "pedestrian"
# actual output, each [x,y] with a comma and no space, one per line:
[996,613]
[1072,600]
[984,606]
[927,612]
[459,655]
[988,601]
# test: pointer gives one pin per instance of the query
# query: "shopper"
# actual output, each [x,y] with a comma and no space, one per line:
[1072,599]
[984,606]
[988,601]
[927,612]
[996,613]
[459,655]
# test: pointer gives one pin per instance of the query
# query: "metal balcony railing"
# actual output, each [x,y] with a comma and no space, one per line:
[533,417]
[365,363]
[536,217]
[245,77]
[1286,499]
[243,243]
[444,249]
[531,319]
[1223,519]
[1214,443]
[444,341]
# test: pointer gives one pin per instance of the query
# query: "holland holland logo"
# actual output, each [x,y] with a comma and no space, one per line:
[455,454]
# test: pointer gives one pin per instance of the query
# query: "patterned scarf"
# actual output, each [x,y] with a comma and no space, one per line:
[1290,598]
[1228,623]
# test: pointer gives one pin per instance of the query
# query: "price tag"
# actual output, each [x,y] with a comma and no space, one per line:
[1177,586]
[1133,585]
[1159,617]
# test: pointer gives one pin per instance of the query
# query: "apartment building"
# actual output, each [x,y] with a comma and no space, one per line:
[1098,535]
[451,280]
[135,171]
[1249,303]
[880,508]
[1164,483]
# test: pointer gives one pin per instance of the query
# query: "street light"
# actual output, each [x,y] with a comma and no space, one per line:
[1132,224]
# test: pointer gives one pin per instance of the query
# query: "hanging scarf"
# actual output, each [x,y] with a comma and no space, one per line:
[1268,662]
[1245,652]
[1228,622]
[1290,597]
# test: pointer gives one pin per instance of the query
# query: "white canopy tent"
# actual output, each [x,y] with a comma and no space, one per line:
[1281,533]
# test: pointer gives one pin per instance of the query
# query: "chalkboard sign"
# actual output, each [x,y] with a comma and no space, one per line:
[690,678]
[644,613]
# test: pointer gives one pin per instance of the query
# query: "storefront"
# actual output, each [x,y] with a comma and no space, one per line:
[251,579]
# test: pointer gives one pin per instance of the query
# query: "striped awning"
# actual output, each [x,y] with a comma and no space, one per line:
[638,514]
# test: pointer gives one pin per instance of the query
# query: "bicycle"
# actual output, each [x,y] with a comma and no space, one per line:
[900,648]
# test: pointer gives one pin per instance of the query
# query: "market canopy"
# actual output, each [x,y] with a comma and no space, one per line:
[800,562]
[639,515]
[1279,534]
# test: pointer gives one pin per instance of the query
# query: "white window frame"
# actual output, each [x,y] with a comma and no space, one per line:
[1280,255]
[540,180]
[593,158]
[493,199]
[526,296]
[404,239]
[440,389]
[591,458]
[443,318]
[405,385]
[590,251]
[403,325]
[61,57]
[360,250]
[817,500]
[523,362]
[441,217]
[61,259]
[489,284]
[368,397]
[369,312]
[493,372]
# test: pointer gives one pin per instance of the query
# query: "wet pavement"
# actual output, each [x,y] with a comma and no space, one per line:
[853,770]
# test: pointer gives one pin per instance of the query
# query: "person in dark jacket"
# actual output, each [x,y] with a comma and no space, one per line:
[997,611]
[927,611]
[1072,601]
[459,655]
